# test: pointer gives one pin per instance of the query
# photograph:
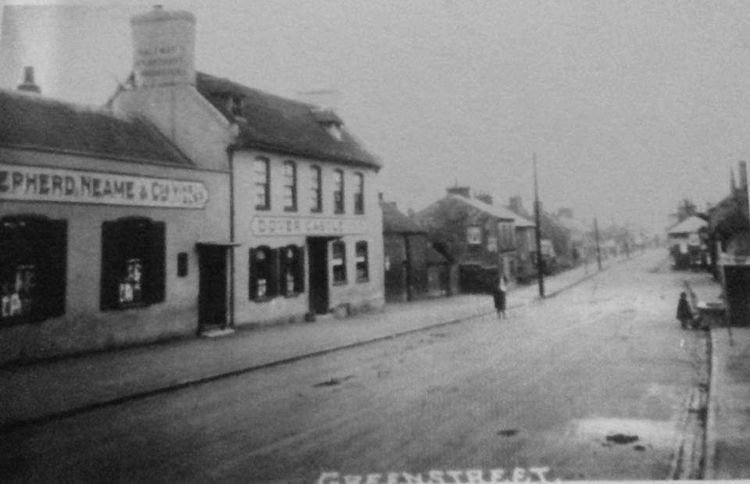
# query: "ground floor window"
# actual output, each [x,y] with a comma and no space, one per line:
[292,270]
[363,273]
[133,268]
[33,253]
[338,262]
[263,268]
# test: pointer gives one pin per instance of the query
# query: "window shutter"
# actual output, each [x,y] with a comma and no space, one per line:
[274,266]
[252,275]
[155,281]
[299,279]
[57,253]
[110,265]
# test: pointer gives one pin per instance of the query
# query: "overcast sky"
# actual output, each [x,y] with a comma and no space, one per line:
[630,106]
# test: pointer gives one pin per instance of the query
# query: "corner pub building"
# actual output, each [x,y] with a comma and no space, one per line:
[305,224]
[188,203]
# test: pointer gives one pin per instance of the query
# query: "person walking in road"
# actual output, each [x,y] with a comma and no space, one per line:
[498,294]
[684,314]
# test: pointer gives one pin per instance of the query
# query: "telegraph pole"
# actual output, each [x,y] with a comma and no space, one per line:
[598,251]
[538,233]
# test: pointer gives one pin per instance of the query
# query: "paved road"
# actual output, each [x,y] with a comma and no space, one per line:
[544,388]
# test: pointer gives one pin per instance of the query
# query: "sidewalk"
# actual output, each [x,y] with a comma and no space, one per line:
[728,415]
[50,389]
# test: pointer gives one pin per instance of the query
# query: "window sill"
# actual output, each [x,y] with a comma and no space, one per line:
[293,294]
[290,209]
[338,283]
[263,299]
[264,208]
[365,279]
[125,307]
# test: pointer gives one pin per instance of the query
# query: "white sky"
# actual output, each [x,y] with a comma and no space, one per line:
[629,105]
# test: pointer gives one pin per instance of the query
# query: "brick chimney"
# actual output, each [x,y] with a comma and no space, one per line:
[28,84]
[459,190]
[484,197]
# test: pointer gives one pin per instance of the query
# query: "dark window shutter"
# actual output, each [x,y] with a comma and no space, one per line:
[111,262]
[252,274]
[57,253]
[155,281]
[299,276]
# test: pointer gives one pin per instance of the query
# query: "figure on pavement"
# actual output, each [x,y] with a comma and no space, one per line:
[684,314]
[498,295]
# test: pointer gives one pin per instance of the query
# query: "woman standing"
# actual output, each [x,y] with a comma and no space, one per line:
[498,295]
[684,314]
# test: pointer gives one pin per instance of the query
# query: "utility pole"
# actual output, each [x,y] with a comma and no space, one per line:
[538,233]
[598,251]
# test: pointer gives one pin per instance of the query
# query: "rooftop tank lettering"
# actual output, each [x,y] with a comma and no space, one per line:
[25,183]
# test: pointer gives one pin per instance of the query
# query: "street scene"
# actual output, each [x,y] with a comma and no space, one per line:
[364,242]
[597,382]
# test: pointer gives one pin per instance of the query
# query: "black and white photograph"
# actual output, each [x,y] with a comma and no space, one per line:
[374,241]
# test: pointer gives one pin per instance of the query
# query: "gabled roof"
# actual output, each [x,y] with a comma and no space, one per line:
[689,225]
[275,123]
[29,121]
[494,210]
[396,222]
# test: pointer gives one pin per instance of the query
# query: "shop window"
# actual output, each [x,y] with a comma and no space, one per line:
[292,270]
[338,191]
[263,266]
[316,194]
[262,176]
[359,194]
[290,186]
[133,263]
[33,252]
[363,273]
[338,262]
[182,264]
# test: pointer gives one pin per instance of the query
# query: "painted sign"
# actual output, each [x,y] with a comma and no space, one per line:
[161,65]
[306,226]
[26,183]
[733,260]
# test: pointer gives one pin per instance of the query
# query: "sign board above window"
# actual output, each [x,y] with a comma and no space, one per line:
[34,184]
[307,226]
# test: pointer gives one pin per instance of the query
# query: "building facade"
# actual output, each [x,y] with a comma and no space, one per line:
[305,225]
[478,236]
[101,218]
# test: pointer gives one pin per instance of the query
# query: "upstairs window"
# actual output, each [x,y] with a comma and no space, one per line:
[290,186]
[292,270]
[133,268]
[361,260]
[316,194]
[338,262]
[359,194]
[338,191]
[474,235]
[262,176]
[263,265]
[33,252]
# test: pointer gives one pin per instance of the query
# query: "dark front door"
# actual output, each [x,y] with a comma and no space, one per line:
[212,299]
[317,248]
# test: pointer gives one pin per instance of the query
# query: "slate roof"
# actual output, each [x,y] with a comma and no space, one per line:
[396,222]
[689,225]
[271,122]
[31,121]
[494,210]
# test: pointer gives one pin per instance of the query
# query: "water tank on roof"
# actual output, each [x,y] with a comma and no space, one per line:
[164,48]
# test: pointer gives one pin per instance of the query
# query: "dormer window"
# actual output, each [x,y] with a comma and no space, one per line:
[329,121]
[334,130]
[235,106]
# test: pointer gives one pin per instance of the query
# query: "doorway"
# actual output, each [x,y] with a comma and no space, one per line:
[317,248]
[212,286]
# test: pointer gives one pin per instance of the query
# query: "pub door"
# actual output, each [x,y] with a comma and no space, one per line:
[317,248]
[213,294]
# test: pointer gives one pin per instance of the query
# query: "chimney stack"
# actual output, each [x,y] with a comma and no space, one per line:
[459,190]
[164,53]
[485,197]
[28,84]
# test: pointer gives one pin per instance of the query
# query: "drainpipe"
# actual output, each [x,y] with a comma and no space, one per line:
[407,249]
[230,159]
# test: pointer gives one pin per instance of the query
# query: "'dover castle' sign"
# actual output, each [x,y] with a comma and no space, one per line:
[306,226]
[26,183]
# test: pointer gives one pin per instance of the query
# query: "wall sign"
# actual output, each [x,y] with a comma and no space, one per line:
[26,183]
[306,226]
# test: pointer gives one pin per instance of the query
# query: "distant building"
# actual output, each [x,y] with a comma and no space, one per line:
[413,268]
[686,242]
[478,236]
[525,238]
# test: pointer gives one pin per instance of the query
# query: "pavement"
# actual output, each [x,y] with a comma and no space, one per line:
[728,413]
[48,390]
